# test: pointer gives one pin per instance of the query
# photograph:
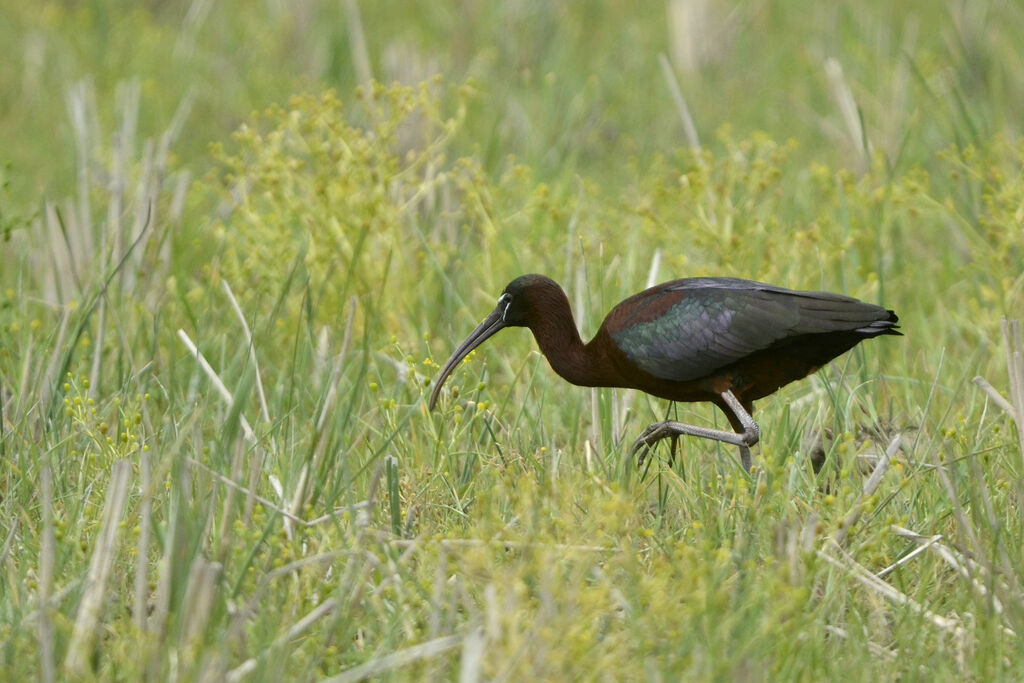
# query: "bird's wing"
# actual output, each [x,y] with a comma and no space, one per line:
[689,329]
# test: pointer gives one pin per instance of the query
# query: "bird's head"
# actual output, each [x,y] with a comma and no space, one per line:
[521,300]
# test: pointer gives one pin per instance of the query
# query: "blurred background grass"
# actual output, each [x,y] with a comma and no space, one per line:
[229,179]
[566,87]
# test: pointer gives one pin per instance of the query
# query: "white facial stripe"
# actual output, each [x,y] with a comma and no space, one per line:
[507,298]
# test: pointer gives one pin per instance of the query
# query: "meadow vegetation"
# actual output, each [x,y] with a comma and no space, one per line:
[237,241]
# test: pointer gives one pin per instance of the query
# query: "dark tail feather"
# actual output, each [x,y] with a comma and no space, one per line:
[879,327]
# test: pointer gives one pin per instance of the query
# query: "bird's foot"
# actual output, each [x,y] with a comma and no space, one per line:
[652,435]
[673,430]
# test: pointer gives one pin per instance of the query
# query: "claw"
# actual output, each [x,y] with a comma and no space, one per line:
[640,449]
[672,450]
[650,436]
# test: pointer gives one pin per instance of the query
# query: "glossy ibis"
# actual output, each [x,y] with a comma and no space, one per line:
[717,339]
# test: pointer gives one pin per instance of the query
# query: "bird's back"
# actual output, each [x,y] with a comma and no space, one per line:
[692,328]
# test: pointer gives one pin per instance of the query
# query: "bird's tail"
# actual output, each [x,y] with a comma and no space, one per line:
[885,326]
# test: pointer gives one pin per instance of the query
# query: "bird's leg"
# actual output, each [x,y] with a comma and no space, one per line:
[746,435]
[674,443]
[743,423]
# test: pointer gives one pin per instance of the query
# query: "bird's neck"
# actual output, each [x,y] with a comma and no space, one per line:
[576,362]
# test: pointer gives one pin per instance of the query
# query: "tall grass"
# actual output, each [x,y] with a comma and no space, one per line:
[216,459]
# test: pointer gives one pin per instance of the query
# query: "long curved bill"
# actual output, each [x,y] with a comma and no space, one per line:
[482,333]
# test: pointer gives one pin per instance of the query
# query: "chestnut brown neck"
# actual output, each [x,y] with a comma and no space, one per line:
[554,328]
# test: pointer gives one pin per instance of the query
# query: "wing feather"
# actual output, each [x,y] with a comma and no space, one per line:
[705,324]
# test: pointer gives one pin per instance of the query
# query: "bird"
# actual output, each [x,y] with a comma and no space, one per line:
[722,340]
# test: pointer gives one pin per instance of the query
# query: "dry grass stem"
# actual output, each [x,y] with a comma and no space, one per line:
[870,486]
[275,508]
[689,129]
[397,660]
[217,383]
[95,590]
[251,346]
[873,583]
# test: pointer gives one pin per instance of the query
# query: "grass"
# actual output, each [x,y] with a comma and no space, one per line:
[226,288]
